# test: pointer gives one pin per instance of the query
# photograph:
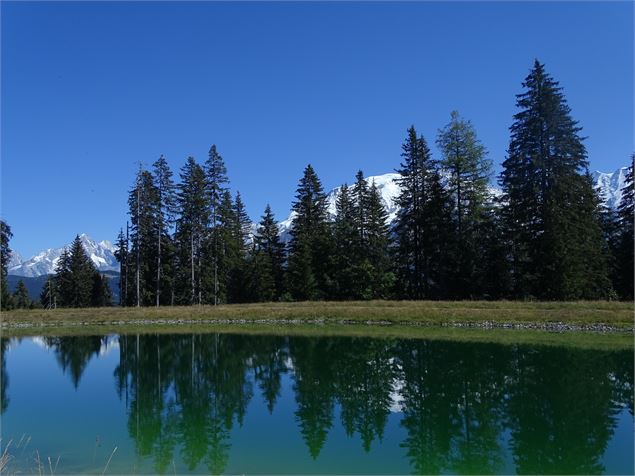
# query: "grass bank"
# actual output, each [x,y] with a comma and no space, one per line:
[582,315]
[586,340]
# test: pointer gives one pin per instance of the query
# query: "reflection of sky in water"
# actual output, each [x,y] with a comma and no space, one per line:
[82,425]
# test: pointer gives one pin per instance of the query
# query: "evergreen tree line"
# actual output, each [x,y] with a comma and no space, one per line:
[545,237]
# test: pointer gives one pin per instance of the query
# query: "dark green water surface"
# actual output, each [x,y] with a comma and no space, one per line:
[245,404]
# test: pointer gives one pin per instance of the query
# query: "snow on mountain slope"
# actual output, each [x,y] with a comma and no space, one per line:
[610,185]
[45,261]
[15,259]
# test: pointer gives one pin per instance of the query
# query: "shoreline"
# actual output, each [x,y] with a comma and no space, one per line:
[555,327]
[596,324]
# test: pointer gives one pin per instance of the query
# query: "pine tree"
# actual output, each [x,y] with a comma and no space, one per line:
[422,224]
[63,280]
[144,210]
[166,210]
[268,258]
[241,229]
[226,252]
[74,276]
[468,175]
[100,292]
[48,295]
[121,255]
[217,180]
[21,299]
[360,196]
[625,238]
[378,246]
[6,300]
[310,263]
[551,211]
[347,250]
[191,225]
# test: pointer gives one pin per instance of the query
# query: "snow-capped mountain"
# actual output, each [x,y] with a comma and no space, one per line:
[15,259]
[45,261]
[609,186]
[388,190]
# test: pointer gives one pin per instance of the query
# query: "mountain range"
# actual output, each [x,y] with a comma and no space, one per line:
[610,186]
[101,253]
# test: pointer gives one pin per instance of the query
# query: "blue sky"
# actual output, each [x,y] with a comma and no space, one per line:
[89,89]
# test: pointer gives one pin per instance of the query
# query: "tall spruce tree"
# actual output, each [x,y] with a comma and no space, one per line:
[377,245]
[625,238]
[241,229]
[75,277]
[166,210]
[216,186]
[360,197]
[191,226]
[422,227]
[121,255]
[144,210]
[551,211]
[220,281]
[468,173]
[6,299]
[347,249]
[268,258]
[310,248]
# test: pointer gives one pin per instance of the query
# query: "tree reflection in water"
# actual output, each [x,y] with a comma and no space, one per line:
[464,405]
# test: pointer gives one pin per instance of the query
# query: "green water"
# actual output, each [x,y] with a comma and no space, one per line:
[245,404]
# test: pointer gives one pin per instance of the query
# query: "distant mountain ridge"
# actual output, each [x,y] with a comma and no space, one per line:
[101,253]
[609,185]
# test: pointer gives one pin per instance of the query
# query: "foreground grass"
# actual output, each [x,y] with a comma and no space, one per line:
[582,313]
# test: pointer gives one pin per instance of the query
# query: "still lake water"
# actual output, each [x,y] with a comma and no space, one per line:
[240,404]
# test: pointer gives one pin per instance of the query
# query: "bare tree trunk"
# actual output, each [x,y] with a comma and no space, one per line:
[127,248]
[192,263]
[138,251]
[198,248]
[159,264]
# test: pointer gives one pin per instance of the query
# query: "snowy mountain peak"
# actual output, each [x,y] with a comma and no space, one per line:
[387,187]
[101,254]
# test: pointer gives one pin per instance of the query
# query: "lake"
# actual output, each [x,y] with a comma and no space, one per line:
[241,404]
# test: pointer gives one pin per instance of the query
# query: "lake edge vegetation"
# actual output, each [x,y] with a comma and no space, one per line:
[545,238]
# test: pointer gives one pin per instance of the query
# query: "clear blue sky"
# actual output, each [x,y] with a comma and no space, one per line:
[89,89]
